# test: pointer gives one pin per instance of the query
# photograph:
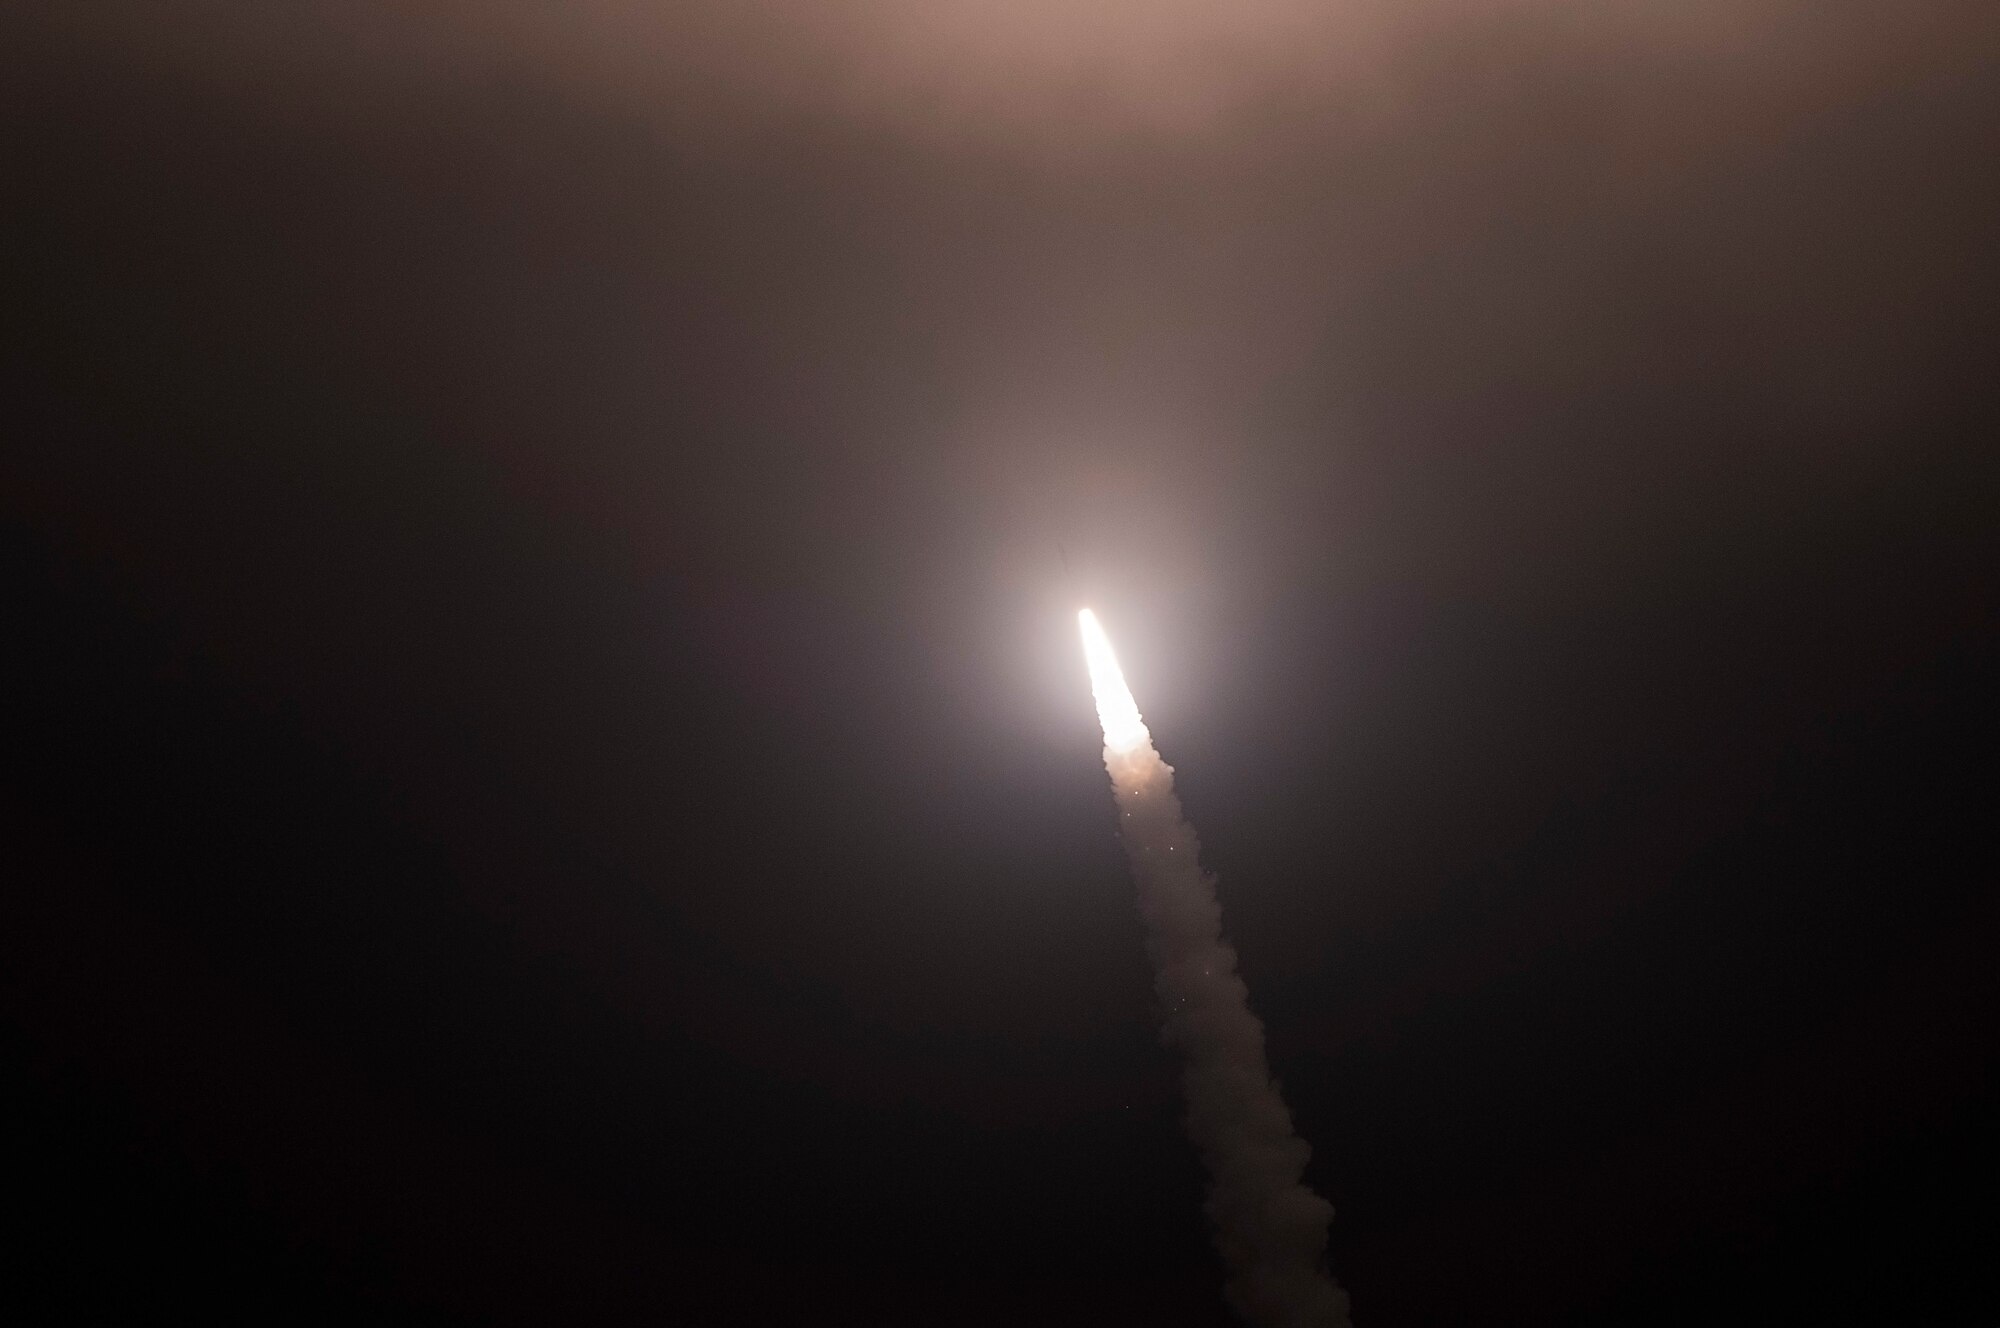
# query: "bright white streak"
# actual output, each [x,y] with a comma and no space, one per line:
[1117,712]
[1269,1228]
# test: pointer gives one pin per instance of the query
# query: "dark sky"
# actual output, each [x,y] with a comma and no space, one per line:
[548,776]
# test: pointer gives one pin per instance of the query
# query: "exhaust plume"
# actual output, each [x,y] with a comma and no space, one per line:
[1269,1228]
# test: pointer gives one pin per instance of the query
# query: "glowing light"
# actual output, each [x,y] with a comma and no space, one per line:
[1117,712]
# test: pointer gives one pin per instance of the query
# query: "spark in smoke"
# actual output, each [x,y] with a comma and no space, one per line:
[1269,1228]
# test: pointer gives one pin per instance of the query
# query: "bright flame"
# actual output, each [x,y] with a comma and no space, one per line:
[1124,731]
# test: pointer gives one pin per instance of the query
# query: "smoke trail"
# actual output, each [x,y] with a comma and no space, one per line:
[1269,1228]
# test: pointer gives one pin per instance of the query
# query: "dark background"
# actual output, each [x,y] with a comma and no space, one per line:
[547,772]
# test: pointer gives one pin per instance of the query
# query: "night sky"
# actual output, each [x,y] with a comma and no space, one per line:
[548,775]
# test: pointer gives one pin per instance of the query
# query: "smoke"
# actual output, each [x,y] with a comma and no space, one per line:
[1269,1228]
